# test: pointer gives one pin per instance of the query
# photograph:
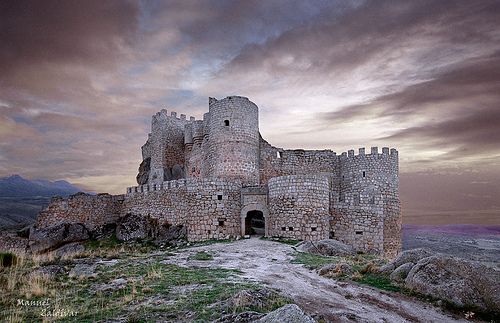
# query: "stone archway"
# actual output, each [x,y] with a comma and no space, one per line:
[253,210]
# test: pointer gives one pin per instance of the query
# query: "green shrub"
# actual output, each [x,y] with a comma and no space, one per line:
[7,259]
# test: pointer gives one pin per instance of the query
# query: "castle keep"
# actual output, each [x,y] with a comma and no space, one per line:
[220,179]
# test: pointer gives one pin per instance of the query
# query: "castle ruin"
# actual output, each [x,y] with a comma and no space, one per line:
[220,179]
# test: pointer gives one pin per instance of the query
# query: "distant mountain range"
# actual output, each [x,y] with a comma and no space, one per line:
[21,199]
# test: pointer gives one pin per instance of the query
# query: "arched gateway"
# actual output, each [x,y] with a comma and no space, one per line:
[254,218]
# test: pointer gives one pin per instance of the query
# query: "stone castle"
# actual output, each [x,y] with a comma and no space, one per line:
[220,179]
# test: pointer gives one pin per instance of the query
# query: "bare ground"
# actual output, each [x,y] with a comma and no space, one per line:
[268,262]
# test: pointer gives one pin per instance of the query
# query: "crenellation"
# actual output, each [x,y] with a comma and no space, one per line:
[219,178]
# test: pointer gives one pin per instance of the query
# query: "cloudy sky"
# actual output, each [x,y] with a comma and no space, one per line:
[79,81]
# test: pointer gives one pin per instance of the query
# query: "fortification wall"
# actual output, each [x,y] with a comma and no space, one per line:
[365,213]
[276,162]
[166,146]
[210,208]
[94,211]
[298,207]
[233,140]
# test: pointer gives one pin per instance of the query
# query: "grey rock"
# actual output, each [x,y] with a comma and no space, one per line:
[116,284]
[133,227]
[290,313]
[167,233]
[399,274]
[244,317]
[51,238]
[144,168]
[458,281]
[50,271]
[83,271]
[327,247]
[69,250]
[407,256]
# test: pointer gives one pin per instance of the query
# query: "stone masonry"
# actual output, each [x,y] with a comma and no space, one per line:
[215,175]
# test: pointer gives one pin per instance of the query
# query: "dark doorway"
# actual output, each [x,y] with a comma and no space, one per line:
[255,223]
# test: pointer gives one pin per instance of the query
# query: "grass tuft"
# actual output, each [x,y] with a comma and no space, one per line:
[201,255]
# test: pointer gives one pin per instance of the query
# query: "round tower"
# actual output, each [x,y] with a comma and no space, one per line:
[233,140]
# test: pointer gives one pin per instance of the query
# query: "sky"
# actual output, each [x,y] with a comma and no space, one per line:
[80,80]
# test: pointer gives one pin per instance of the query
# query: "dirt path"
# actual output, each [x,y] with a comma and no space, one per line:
[268,262]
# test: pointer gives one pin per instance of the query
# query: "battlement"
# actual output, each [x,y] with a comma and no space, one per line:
[163,115]
[374,152]
[181,183]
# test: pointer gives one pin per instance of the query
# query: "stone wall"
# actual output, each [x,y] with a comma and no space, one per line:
[365,205]
[93,211]
[276,162]
[299,207]
[210,208]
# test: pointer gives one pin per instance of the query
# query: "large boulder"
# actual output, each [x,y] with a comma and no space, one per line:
[457,281]
[133,227]
[408,256]
[51,238]
[290,313]
[327,247]
[399,274]
[168,233]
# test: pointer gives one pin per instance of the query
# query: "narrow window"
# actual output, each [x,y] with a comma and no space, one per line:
[359,232]
[290,228]
[221,223]
[364,174]
[209,231]
[219,197]
[332,234]
[341,197]
[313,229]
[278,154]
[283,228]
[226,123]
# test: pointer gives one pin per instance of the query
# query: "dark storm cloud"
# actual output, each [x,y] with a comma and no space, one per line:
[333,43]
[44,32]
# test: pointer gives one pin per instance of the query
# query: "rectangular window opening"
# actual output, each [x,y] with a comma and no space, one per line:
[221,223]
[359,232]
[364,174]
[283,228]
[219,197]
[313,229]
[290,228]
[332,234]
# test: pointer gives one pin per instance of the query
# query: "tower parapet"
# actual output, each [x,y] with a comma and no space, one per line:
[233,143]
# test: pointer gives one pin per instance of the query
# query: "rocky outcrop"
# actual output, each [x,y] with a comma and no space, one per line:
[399,274]
[460,282]
[457,281]
[133,227]
[144,168]
[51,238]
[290,313]
[408,256]
[137,227]
[327,247]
